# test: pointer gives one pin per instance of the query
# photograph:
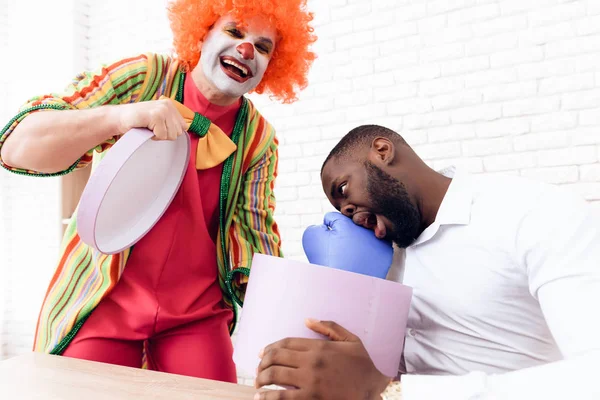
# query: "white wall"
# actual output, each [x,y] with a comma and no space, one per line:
[494,86]
[33,60]
[3,218]
[505,86]
[118,28]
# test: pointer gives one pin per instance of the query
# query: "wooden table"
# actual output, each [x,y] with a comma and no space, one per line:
[40,376]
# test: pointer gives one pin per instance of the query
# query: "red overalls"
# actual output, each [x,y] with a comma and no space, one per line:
[169,293]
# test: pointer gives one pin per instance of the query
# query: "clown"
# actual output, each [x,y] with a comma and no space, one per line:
[170,303]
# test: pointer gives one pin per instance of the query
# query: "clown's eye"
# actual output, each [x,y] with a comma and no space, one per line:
[262,48]
[235,33]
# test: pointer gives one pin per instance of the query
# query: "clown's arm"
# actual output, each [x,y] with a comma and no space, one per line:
[254,224]
[56,133]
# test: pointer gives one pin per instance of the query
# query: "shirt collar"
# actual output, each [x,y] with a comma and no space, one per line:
[455,208]
[456,205]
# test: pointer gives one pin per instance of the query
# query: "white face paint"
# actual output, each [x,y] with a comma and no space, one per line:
[235,58]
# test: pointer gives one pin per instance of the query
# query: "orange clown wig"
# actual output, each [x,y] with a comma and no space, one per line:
[288,69]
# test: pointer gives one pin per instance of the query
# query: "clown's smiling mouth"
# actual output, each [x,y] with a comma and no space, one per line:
[235,70]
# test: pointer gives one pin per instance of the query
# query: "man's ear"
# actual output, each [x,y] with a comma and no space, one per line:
[382,151]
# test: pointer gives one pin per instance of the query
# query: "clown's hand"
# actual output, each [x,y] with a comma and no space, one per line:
[159,116]
[340,243]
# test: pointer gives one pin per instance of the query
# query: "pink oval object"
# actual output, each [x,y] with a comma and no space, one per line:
[282,293]
[131,189]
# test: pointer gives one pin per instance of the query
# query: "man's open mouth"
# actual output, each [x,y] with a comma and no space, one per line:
[235,70]
[371,221]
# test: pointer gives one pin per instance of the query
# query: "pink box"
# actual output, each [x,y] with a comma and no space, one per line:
[282,293]
[131,189]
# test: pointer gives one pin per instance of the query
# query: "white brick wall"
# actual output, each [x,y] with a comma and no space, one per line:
[117,28]
[494,86]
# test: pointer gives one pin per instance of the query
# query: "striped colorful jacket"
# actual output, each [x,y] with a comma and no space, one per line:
[246,225]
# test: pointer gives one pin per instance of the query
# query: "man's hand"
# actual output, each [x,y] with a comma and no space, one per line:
[339,368]
[160,116]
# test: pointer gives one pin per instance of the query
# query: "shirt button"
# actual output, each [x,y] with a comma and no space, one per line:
[411,332]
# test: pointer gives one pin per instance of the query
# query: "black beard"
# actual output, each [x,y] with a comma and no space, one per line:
[390,199]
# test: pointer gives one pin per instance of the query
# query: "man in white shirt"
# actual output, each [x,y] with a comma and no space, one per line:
[505,275]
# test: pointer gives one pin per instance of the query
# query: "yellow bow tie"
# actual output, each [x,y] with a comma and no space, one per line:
[214,146]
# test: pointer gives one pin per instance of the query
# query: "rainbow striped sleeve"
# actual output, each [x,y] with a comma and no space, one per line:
[255,229]
[117,83]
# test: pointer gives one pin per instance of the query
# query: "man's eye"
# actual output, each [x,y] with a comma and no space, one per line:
[235,33]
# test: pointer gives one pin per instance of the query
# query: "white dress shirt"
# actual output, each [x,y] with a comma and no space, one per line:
[506,301]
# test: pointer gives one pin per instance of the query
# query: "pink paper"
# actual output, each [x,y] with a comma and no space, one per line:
[282,293]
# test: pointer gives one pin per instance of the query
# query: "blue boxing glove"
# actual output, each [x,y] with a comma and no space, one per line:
[340,243]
